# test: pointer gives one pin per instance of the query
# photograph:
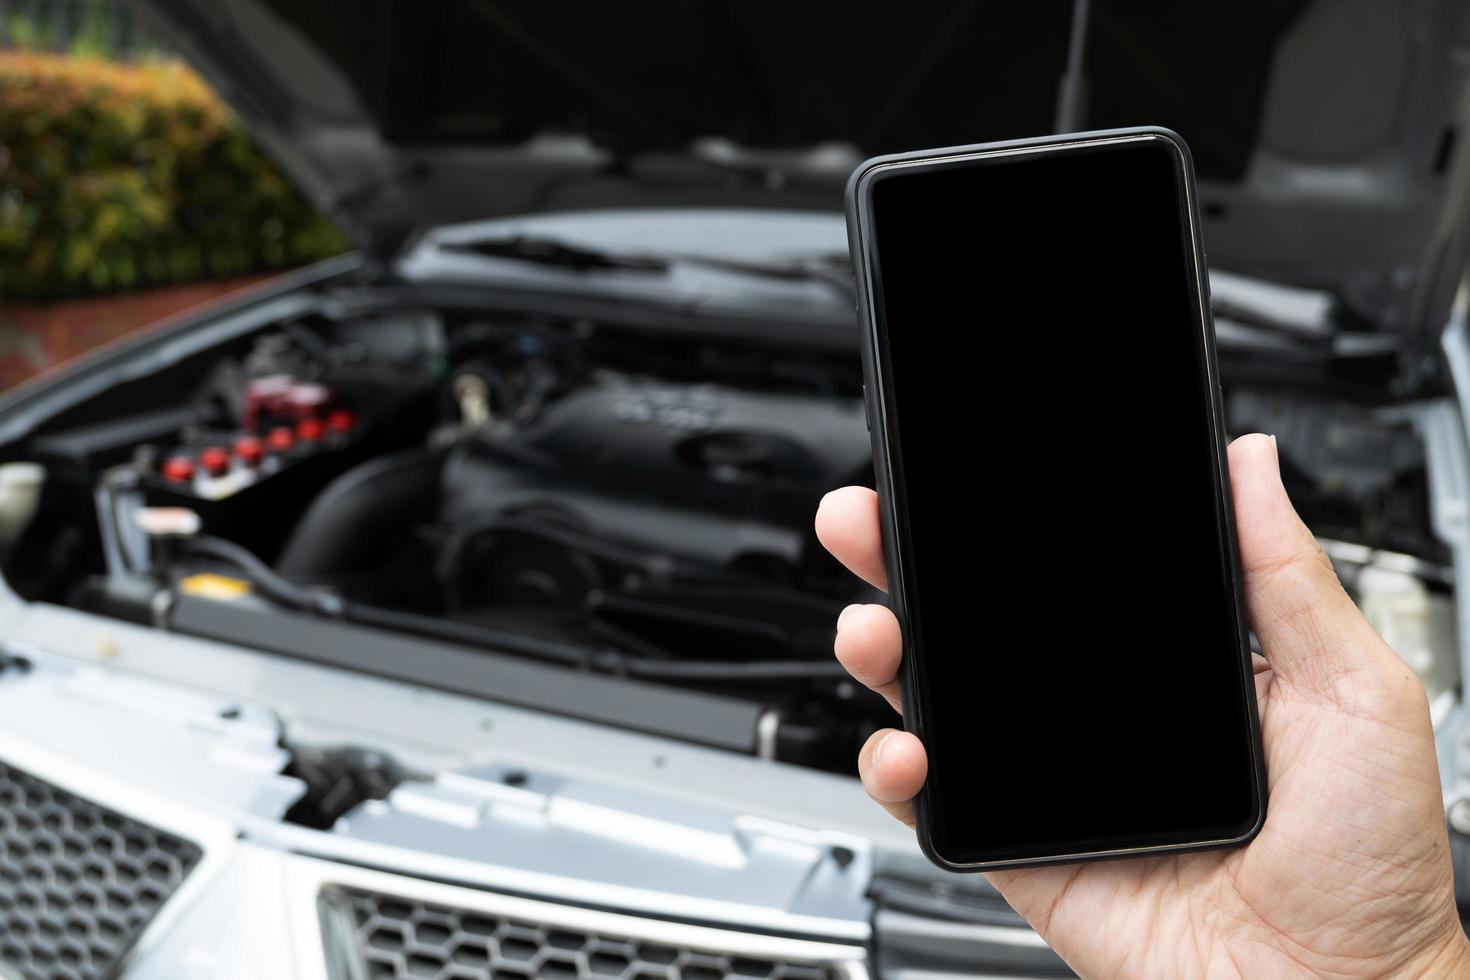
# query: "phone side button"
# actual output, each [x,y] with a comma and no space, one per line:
[867,414]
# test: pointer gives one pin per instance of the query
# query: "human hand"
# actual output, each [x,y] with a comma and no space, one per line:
[1350,875]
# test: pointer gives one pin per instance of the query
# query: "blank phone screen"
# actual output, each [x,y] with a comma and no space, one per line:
[1067,578]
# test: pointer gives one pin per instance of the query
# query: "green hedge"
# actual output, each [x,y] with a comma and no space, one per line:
[117,176]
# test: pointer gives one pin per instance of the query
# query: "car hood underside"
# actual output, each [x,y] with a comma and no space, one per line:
[1325,133]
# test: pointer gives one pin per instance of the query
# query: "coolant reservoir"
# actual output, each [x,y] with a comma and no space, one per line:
[1417,623]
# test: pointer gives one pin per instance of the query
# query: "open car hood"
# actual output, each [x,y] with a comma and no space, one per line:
[1326,132]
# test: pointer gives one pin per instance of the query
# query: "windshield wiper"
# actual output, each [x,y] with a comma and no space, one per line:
[551,251]
[831,270]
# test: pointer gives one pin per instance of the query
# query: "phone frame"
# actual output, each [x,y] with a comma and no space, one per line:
[893,523]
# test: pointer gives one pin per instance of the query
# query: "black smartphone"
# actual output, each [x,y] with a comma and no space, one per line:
[1042,390]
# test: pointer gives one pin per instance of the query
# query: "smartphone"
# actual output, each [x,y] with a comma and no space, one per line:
[1042,392]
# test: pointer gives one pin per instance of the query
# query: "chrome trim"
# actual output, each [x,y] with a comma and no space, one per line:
[475,874]
[306,878]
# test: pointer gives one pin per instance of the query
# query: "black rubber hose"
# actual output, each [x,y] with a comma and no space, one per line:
[714,670]
[288,593]
[339,531]
[468,634]
[262,576]
[602,660]
[533,525]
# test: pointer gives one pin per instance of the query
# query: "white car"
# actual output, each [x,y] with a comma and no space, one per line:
[451,608]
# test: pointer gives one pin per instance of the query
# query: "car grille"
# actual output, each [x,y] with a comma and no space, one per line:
[389,937]
[78,882]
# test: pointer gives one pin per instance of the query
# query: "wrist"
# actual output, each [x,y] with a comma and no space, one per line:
[1450,957]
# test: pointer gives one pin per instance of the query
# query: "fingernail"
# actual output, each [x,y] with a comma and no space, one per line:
[843,615]
[878,749]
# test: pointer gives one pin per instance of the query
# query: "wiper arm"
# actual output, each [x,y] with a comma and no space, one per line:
[830,270]
[550,251]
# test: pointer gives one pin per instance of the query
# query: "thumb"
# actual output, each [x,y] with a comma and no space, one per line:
[1311,632]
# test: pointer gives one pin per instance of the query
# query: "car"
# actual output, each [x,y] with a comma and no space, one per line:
[451,608]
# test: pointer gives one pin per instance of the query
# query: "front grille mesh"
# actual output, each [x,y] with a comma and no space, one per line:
[78,882]
[381,937]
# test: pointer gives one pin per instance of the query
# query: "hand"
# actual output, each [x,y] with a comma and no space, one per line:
[1349,877]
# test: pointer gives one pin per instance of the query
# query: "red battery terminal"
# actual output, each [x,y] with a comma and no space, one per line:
[341,421]
[215,460]
[178,469]
[249,450]
[280,439]
[310,429]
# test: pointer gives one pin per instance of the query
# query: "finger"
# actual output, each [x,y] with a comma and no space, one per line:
[847,526]
[869,645]
[1261,674]
[893,765]
[1310,631]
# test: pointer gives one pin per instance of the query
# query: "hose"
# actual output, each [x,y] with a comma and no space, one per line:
[287,593]
[262,576]
[467,633]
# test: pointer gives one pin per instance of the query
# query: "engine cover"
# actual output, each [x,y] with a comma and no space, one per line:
[713,475]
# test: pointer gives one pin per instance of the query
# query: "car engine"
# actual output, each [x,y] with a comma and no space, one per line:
[611,501]
[662,518]
[606,501]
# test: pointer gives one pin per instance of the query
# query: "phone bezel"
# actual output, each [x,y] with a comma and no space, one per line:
[859,215]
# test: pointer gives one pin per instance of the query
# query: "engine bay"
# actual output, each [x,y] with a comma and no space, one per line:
[606,500]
